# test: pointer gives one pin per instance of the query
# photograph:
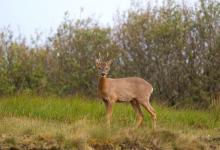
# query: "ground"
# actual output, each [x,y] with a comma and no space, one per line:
[36,123]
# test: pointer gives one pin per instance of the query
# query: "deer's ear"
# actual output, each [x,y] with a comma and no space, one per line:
[97,62]
[109,62]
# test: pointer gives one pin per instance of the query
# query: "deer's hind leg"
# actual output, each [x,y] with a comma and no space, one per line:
[152,112]
[139,114]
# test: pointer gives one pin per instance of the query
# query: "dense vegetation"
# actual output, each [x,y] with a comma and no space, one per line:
[176,48]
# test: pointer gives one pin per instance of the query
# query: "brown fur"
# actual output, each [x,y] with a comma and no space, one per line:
[135,90]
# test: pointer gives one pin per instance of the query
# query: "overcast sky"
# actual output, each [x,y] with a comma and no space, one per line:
[27,16]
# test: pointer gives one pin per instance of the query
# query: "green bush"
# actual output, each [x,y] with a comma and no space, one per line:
[175,47]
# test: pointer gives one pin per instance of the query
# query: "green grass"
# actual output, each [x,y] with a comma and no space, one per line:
[76,108]
[68,109]
[76,120]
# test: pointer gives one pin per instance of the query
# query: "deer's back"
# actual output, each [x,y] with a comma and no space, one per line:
[126,89]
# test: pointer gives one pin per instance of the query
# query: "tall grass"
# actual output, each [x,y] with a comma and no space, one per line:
[78,108]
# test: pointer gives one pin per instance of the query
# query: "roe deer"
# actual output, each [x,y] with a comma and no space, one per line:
[135,90]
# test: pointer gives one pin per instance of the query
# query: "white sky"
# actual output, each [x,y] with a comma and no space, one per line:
[27,16]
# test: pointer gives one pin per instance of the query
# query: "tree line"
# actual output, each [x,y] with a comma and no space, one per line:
[175,47]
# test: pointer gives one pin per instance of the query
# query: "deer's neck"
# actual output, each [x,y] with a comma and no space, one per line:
[103,82]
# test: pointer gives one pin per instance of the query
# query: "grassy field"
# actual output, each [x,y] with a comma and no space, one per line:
[78,123]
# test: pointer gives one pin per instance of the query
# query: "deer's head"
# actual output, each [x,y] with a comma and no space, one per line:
[103,67]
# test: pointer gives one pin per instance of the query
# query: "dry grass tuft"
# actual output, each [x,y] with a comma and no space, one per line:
[57,124]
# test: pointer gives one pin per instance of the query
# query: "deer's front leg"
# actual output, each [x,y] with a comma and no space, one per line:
[108,107]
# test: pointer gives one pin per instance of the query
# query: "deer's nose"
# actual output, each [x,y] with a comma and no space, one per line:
[103,74]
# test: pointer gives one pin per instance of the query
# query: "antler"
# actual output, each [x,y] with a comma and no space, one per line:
[107,54]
